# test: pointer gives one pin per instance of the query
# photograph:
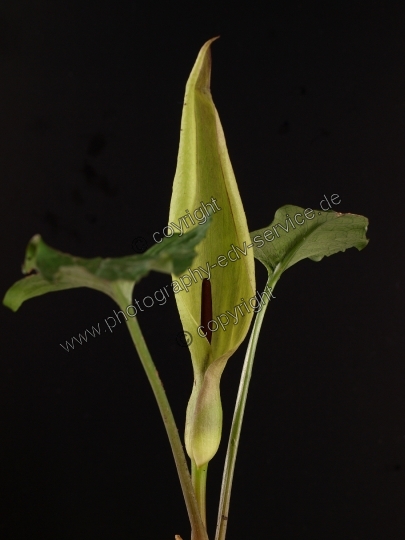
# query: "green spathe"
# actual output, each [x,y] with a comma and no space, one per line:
[204,172]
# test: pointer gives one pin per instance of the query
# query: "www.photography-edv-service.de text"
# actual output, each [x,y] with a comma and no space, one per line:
[188,279]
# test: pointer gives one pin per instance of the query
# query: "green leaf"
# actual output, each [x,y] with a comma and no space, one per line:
[56,271]
[29,287]
[297,233]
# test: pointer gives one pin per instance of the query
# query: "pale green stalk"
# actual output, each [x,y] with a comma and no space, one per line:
[198,528]
[227,478]
[199,481]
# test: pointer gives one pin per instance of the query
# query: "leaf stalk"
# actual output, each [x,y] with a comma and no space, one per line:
[198,528]
[234,436]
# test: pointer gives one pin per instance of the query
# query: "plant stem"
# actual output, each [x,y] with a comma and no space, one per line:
[199,481]
[197,526]
[231,453]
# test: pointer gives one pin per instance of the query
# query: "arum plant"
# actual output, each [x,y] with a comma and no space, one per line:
[222,253]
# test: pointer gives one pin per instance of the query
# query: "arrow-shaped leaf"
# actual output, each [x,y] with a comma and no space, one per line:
[297,233]
[56,271]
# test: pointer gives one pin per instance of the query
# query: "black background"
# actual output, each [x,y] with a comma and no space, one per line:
[312,101]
